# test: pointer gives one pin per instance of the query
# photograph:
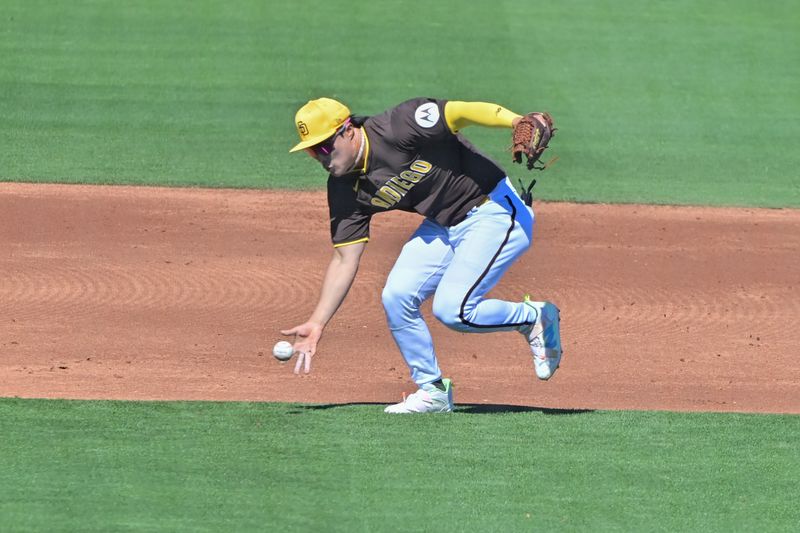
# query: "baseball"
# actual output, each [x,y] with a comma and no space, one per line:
[283,350]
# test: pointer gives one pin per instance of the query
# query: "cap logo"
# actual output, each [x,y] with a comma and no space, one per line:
[427,115]
[302,128]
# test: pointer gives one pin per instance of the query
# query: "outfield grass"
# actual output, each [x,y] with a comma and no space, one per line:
[95,466]
[672,102]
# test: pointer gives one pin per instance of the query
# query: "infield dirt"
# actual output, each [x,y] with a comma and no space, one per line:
[154,293]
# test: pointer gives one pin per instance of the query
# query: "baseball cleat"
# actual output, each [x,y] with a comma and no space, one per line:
[428,399]
[544,338]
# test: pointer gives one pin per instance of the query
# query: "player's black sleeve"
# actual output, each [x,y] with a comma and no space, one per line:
[349,222]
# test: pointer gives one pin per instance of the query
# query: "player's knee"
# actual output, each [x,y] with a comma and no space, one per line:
[447,310]
[388,296]
[395,299]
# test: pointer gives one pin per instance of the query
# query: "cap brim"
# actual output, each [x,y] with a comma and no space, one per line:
[308,143]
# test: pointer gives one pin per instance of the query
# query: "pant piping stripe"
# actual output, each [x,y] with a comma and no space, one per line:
[485,272]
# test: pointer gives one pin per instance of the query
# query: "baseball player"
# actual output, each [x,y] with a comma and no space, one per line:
[412,158]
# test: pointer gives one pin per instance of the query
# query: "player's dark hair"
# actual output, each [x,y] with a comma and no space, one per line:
[358,120]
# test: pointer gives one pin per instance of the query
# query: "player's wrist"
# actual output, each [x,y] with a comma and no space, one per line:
[316,324]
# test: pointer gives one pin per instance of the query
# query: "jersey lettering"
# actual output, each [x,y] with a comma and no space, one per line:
[389,195]
[397,187]
[410,175]
[399,181]
[421,166]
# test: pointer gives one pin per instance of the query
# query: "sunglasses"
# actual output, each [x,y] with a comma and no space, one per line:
[326,146]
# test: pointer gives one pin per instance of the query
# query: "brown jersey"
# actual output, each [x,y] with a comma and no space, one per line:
[414,163]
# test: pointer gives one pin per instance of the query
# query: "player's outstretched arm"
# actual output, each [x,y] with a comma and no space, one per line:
[459,115]
[335,286]
[530,137]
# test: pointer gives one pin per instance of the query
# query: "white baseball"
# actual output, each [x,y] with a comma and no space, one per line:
[283,350]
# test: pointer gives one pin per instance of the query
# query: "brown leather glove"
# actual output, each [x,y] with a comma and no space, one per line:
[530,137]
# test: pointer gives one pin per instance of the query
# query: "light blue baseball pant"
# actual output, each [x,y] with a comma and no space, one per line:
[458,265]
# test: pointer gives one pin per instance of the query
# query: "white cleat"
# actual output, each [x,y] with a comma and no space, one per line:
[544,338]
[427,399]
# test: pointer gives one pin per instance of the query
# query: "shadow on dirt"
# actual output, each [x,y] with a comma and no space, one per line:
[461,409]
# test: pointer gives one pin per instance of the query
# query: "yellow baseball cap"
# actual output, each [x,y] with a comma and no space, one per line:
[318,120]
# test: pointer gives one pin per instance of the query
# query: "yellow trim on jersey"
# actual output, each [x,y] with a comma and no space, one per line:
[366,150]
[365,239]
[459,115]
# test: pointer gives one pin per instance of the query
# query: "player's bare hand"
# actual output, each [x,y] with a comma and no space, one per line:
[305,344]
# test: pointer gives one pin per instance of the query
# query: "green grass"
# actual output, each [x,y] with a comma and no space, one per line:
[99,466]
[669,102]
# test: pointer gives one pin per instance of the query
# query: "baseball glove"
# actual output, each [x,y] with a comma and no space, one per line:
[530,137]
